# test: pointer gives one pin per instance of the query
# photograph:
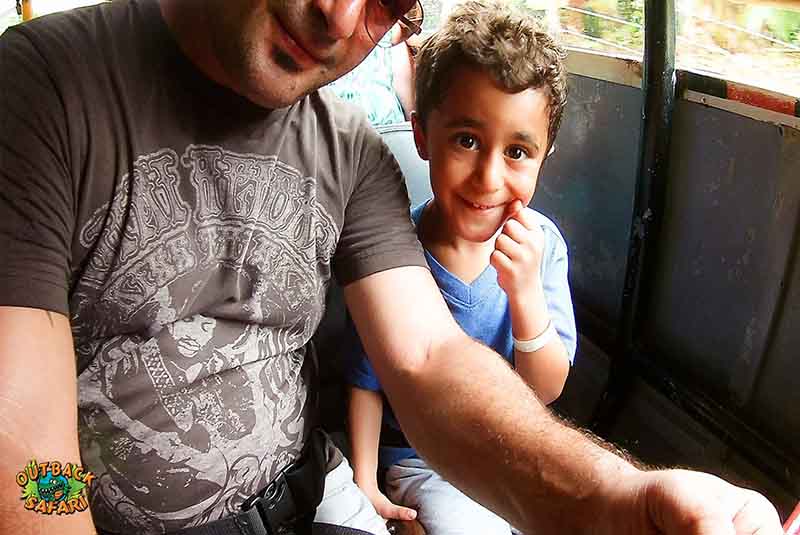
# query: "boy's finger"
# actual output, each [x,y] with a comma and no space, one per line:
[397,512]
[508,246]
[408,514]
[525,217]
[500,261]
[513,209]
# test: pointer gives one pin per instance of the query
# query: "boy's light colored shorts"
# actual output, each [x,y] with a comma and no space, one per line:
[442,509]
[344,504]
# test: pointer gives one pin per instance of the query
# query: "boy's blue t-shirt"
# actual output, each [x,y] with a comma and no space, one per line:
[481,309]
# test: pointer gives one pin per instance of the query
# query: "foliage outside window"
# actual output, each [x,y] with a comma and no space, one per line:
[752,42]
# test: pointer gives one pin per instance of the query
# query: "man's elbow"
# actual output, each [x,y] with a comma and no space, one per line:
[414,360]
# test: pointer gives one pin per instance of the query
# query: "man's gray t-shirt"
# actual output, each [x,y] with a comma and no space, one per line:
[190,236]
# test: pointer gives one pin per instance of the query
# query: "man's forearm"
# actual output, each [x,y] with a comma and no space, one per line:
[484,429]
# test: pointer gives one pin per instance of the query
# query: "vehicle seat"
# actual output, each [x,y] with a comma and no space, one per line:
[400,140]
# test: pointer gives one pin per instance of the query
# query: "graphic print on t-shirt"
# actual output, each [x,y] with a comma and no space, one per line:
[205,279]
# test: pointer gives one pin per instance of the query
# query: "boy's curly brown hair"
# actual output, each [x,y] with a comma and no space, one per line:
[507,41]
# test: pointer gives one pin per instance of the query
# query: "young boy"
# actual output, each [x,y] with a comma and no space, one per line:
[490,93]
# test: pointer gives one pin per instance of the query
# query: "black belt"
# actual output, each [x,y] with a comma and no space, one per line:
[286,505]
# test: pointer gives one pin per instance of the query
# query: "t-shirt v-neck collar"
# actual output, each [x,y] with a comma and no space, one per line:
[469,294]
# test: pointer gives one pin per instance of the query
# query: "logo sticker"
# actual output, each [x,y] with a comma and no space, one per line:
[54,487]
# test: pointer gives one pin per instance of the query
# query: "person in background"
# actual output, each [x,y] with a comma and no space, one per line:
[383,84]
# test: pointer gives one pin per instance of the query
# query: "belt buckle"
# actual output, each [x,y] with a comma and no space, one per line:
[275,504]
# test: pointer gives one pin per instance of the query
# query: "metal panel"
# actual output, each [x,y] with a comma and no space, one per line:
[587,187]
[777,393]
[729,228]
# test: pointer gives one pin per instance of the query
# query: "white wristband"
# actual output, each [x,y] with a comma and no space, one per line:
[535,344]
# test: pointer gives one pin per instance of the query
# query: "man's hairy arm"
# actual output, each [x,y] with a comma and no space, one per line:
[476,422]
[470,415]
[38,413]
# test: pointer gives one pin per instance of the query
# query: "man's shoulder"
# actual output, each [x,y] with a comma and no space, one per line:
[347,117]
[70,42]
[347,129]
[82,24]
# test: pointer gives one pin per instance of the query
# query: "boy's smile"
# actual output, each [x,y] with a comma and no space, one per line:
[485,148]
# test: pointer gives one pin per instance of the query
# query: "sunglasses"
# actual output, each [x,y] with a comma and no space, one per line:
[383,14]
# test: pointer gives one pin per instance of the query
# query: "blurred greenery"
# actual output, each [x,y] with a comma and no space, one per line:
[785,25]
[732,40]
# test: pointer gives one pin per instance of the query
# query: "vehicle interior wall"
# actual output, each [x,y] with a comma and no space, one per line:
[587,188]
[723,292]
[725,288]
[724,295]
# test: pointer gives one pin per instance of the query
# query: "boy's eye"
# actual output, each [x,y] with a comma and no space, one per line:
[467,141]
[516,153]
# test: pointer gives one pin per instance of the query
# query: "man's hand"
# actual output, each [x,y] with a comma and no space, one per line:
[518,253]
[680,502]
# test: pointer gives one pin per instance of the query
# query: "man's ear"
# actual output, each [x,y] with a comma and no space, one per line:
[419,136]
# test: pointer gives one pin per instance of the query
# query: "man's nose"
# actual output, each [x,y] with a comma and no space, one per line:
[342,17]
[489,174]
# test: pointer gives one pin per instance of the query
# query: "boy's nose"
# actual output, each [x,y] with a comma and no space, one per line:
[490,171]
[342,17]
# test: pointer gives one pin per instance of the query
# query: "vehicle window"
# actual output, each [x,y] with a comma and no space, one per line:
[755,42]
[8,16]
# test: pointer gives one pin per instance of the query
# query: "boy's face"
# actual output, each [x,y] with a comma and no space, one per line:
[485,148]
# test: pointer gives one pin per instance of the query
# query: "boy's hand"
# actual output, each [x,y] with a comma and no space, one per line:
[387,509]
[517,255]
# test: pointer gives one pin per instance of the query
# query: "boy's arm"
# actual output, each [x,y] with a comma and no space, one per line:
[364,414]
[518,258]
[38,413]
[473,419]
[546,369]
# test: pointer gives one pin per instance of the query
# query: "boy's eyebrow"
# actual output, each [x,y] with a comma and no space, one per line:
[468,122]
[526,138]
[463,122]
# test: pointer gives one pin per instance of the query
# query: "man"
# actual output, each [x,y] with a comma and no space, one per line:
[174,195]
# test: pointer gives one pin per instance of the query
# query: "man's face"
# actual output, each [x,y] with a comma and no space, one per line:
[274,52]
[485,147]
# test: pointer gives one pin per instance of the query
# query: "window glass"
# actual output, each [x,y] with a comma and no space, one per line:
[8,16]
[11,10]
[755,42]
[608,26]
[44,7]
